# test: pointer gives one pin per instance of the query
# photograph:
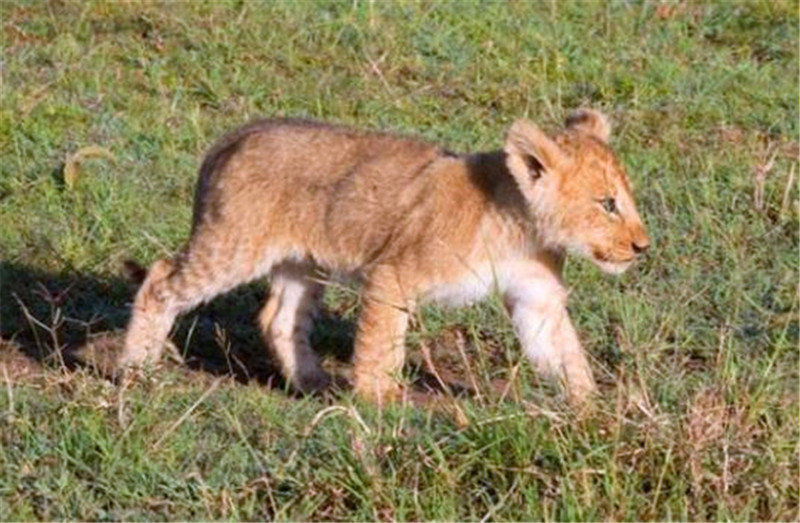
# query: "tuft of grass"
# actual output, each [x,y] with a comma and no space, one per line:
[696,349]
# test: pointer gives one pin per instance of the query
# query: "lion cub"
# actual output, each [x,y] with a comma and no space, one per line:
[415,223]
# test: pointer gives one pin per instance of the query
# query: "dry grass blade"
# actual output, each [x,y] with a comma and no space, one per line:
[73,161]
[350,411]
[9,391]
[460,344]
[426,354]
[55,351]
[461,416]
[493,510]
[762,171]
[787,192]
[188,413]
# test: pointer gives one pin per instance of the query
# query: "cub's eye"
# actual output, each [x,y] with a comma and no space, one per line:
[609,205]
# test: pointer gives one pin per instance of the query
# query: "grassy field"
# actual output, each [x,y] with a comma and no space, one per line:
[105,112]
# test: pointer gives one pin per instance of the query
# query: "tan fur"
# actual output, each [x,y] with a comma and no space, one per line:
[415,223]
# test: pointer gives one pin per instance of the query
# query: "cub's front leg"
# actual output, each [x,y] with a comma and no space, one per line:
[380,340]
[539,313]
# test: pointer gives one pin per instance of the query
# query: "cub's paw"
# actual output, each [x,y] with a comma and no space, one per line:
[128,375]
[378,391]
[312,382]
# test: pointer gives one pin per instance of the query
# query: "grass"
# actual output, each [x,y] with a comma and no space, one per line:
[696,349]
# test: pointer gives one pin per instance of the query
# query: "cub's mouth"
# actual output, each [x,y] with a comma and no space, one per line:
[614,267]
[610,265]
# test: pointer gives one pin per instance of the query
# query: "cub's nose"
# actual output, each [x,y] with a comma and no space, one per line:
[640,246]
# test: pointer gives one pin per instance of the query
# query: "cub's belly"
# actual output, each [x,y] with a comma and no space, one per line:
[470,288]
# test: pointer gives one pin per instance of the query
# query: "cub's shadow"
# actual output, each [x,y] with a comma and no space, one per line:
[76,320]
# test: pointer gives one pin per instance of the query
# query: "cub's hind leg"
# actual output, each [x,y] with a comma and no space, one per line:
[151,317]
[286,322]
[172,287]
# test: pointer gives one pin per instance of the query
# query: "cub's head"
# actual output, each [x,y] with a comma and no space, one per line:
[576,191]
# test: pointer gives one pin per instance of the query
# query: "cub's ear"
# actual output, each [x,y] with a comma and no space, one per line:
[531,152]
[591,122]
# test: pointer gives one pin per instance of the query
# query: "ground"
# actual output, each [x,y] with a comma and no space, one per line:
[105,112]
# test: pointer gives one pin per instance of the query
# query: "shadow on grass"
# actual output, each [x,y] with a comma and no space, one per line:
[76,321]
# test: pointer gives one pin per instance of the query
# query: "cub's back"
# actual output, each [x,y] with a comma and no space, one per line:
[335,188]
[312,150]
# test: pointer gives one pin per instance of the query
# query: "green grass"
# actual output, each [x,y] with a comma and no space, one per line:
[696,349]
